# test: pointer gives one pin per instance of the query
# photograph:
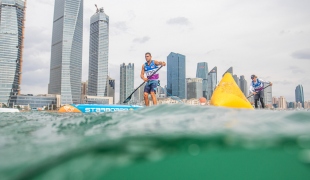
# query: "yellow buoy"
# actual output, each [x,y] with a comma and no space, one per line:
[228,94]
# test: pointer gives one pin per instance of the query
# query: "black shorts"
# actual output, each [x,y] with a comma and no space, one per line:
[259,94]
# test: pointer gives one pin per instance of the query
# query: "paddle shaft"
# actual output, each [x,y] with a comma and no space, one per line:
[129,97]
[256,92]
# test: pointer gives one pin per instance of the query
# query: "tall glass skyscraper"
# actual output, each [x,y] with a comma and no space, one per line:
[126,81]
[299,95]
[212,81]
[176,73]
[98,54]
[12,16]
[66,51]
[202,72]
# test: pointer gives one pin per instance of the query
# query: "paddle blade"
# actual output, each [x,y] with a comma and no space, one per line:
[127,100]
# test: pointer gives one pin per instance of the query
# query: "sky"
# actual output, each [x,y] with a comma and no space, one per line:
[269,38]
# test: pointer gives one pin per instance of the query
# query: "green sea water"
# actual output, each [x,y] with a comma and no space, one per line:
[162,142]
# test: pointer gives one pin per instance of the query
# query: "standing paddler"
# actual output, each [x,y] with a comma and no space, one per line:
[148,68]
[257,88]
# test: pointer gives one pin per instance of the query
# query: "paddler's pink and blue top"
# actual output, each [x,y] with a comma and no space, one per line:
[150,69]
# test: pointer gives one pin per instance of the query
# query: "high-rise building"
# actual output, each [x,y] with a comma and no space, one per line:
[111,88]
[194,88]
[98,54]
[66,51]
[212,82]
[230,70]
[268,95]
[299,95]
[12,17]
[202,72]
[176,73]
[236,80]
[138,96]
[275,102]
[243,85]
[282,103]
[126,81]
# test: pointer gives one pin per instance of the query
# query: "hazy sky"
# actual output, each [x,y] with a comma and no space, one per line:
[268,38]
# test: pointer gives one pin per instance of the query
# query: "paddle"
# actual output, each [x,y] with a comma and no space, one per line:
[256,92]
[129,97]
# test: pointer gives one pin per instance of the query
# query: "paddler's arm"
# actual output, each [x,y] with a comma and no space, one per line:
[252,90]
[142,74]
[162,63]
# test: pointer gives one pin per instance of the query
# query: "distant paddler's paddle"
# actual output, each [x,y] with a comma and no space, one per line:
[257,92]
[129,97]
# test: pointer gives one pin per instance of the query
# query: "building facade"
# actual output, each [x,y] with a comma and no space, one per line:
[237,80]
[299,95]
[282,103]
[202,72]
[66,51]
[96,100]
[98,54]
[268,95]
[126,81]
[51,101]
[194,88]
[176,74]
[212,82]
[243,85]
[12,17]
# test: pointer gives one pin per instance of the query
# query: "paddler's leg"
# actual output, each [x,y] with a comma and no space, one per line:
[147,90]
[153,91]
[256,97]
[146,98]
[154,98]
[261,98]
[262,102]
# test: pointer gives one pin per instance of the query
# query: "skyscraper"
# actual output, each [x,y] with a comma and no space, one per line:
[66,51]
[230,70]
[268,95]
[299,95]
[126,81]
[212,81]
[176,73]
[236,80]
[194,88]
[98,54]
[12,16]
[243,85]
[282,103]
[202,72]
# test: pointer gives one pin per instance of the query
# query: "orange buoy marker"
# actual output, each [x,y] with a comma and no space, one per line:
[228,94]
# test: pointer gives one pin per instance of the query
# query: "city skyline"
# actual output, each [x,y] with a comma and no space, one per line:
[266,52]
